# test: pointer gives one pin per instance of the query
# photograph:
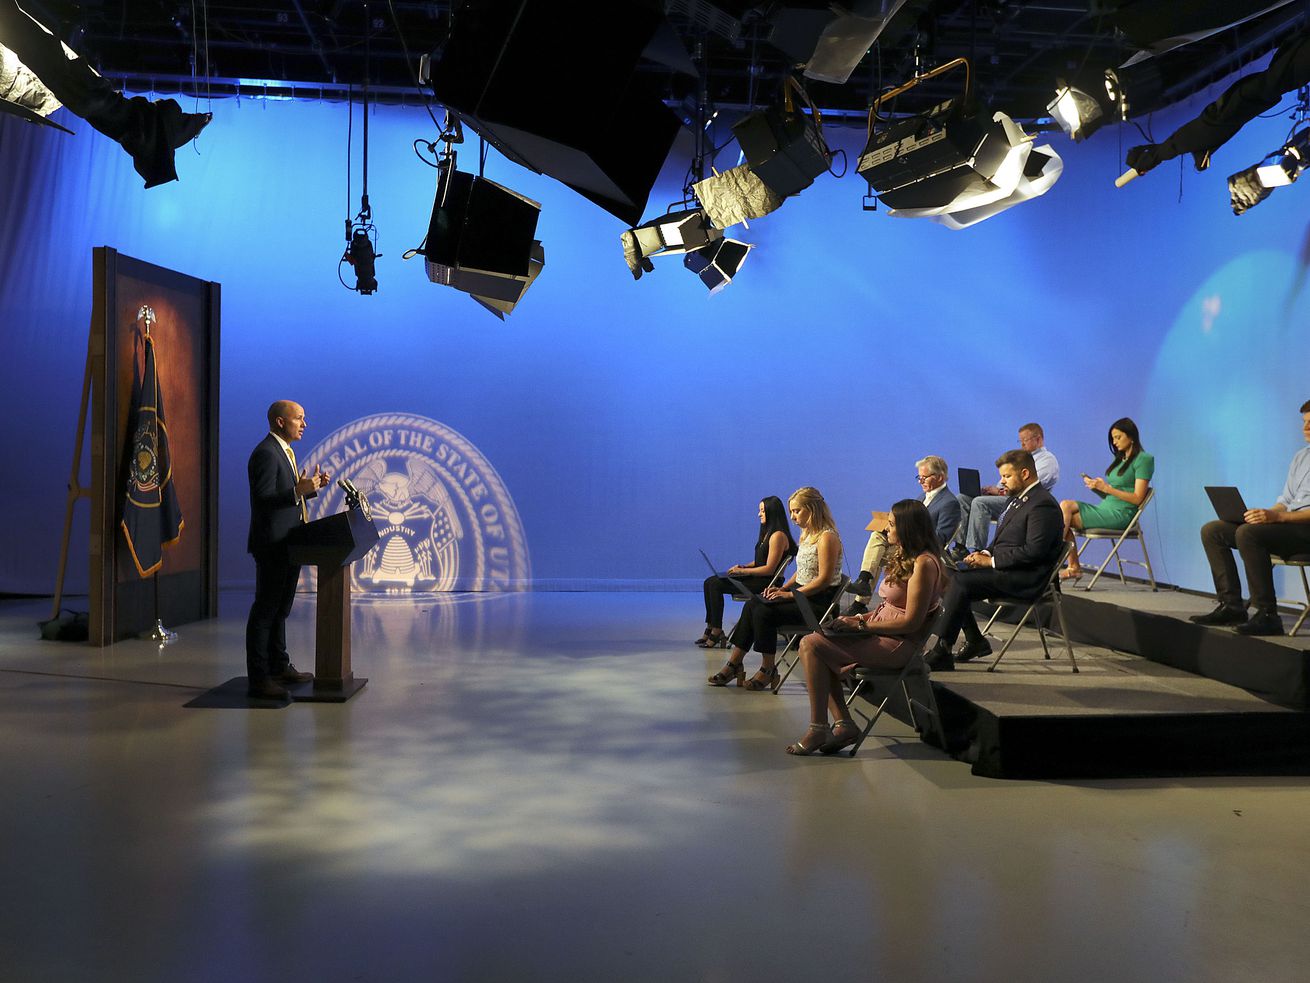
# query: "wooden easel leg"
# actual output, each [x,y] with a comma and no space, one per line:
[75,489]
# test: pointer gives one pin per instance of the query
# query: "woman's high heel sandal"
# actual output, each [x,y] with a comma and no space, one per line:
[818,737]
[713,639]
[844,734]
[729,672]
[766,678]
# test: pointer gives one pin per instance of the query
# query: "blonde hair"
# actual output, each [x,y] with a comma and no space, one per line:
[933,463]
[820,516]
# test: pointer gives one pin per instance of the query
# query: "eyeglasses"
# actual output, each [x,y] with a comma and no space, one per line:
[926,477]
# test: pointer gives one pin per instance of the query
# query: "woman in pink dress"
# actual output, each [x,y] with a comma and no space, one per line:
[884,638]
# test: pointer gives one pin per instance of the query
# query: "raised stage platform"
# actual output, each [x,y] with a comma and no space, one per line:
[1156,695]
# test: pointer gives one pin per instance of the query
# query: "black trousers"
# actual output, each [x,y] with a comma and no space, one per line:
[968,586]
[1254,543]
[266,627]
[759,623]
[717,587]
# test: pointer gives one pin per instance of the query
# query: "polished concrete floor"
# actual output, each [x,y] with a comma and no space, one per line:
[542,787]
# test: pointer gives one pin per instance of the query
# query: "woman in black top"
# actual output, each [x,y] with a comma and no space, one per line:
[772,549]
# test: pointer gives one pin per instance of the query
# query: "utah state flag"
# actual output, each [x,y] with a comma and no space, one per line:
[151,517]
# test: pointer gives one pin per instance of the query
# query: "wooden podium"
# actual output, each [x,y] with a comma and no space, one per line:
[332,544]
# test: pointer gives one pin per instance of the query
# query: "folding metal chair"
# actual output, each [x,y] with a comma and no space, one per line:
[1300,561]
[1134,531]
[794,633]
[1049,594]
[915,670]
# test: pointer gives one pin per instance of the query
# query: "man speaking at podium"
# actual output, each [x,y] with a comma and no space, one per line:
[278,489]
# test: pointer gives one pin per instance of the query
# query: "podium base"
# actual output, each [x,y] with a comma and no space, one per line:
[317,692]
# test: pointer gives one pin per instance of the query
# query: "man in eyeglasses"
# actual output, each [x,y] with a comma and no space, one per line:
[943,508]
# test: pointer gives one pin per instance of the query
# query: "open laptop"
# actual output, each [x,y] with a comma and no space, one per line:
[812,622]
[733,580]
[970,481]
[1227,502]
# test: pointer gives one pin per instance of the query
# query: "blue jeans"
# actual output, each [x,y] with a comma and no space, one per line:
[982,511]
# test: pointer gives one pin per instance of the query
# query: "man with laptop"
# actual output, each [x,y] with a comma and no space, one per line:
[1283,530]
[1021,559]
[943,508]
[981,509]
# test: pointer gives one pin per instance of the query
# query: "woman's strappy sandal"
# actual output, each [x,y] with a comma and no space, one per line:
[770,679]
[844,734]
[729,672]
[801,748]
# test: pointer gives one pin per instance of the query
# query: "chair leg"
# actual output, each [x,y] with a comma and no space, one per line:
[1064,632]
[1013,635]
[1146,559]
[990,621]
[1305,609]
[1101,569]
[869,723]
[782,657]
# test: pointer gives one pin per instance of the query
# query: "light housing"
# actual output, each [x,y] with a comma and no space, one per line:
[1248,187]
[717,263]
[1076,112]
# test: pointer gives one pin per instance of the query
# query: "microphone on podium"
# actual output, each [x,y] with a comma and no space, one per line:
[354,497]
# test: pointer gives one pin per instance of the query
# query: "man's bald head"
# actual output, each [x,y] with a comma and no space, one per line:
[286,418]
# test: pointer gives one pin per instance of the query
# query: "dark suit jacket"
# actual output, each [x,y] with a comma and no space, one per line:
[274,508]
[1028,539]
[945,513]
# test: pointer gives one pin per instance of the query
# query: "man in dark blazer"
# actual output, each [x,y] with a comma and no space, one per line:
[1029,537]
[278,489]
[943,509]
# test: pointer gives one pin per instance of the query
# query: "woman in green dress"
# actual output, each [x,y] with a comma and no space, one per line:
[1122,490]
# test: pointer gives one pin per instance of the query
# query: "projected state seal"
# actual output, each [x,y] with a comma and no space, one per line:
[445,519]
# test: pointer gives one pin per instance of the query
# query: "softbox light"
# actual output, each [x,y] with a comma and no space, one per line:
[554,87]
[1041,169]
[482,239]
[1024,172]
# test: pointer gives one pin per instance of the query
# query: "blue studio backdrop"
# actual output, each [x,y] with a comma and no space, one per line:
[632,422]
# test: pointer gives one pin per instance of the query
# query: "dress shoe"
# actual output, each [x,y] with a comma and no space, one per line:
[858,607]
[291,675]
[861,586]
[973,650]
[266,689]
[1262,623]
[939,659]
[1224,614]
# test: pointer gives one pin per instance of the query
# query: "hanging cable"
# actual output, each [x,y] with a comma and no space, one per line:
[361,234]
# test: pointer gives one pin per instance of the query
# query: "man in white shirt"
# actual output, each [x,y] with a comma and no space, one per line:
[979,512]
[1283,530]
